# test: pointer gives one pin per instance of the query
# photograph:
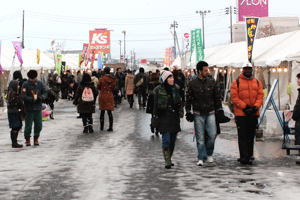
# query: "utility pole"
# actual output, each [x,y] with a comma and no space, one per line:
[174,25]
[23,31]
[124,32]
[229,11]
[120,43]
[202,14]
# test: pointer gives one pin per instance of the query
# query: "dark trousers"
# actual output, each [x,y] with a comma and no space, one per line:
[36,118]
[246,127]
[86,119]
[142,93]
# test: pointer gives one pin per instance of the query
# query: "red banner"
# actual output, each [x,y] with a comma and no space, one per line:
[84,50]
[100,41]
[143,61]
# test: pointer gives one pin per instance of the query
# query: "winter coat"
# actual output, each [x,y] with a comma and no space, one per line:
[121,80]
[296,117]
[150,100]
[28,89]
[203,95]
[138,77]
[168,117]
[82,106]
[95,80]
[56,87]
[14,101]
[106,86]
[250,92]
[129,82]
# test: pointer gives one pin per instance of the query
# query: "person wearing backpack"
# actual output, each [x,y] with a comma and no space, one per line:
[247,97]
[106,85]
[141,87]
[85,99]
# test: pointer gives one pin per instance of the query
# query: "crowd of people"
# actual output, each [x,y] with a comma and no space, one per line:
[163,94]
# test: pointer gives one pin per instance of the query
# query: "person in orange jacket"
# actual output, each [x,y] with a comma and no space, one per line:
[247,97]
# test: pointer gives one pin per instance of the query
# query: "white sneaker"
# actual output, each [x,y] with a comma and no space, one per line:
[210,159]
[200,163]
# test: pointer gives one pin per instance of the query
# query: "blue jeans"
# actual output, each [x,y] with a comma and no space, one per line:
[168,139]
[202,124]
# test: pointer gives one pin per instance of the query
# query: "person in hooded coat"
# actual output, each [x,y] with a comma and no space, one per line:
[106,85]
[167,111]
[129,87]
[15,112]
[86,108]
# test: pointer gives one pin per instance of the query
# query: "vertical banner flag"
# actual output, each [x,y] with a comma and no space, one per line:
[193,41]
[58,63]
[99,61]
[167,57]
[79,60]
[18,48]
[171,55]
[199,45]
[251,25]
[87,57]
[186,42]
[38,56]
[100,41]
[11,69]
[92,58]
[1,70]
[84,50]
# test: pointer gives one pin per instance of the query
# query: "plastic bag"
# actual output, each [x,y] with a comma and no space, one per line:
[227,111]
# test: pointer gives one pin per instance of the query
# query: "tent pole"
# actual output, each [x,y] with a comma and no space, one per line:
[278,89]
[269,79]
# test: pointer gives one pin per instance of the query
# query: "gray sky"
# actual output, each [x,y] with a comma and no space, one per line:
[147,22]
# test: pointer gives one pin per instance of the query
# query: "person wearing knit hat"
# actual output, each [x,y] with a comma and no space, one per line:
[165,75]
[167,111]
[34,93]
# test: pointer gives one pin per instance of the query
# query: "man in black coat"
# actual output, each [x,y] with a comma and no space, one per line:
[141,85]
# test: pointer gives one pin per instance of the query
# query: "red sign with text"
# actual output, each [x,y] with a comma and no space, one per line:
[100,41]
[143,61]
[252,8]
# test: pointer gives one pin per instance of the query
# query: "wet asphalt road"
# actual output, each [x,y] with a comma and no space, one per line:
[128,164]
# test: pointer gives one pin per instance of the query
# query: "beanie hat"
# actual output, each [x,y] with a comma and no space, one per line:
[17,75]
[44,106]
[165,75]
[32,74]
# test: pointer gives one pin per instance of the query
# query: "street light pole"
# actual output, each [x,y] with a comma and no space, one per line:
[202,14]
[120,43]
[174,25]
[124,32]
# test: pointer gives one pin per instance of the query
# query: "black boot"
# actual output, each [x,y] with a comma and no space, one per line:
[51,115]
[91,130]
[101,123]
[14,136]
[86,129]
[110,125]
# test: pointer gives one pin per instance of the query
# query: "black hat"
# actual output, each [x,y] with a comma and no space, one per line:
[17,75]
[32,74]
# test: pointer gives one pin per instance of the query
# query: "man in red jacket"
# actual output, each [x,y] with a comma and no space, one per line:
[247,97]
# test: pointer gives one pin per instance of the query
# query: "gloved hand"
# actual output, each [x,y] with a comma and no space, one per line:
[155,122]
[189,117]
[181,113]
[254,110]
[248,110]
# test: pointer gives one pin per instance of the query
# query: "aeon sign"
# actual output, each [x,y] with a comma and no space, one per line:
[252,8]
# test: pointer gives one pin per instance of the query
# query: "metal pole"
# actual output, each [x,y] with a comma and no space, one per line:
[202,13]
[174,40]
[23,31]
[278,90]
[120,50]
[231,24]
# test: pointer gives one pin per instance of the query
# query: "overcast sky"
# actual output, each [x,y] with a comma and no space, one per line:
[147,22]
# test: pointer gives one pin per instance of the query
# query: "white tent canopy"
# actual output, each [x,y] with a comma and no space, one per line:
[270,51]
